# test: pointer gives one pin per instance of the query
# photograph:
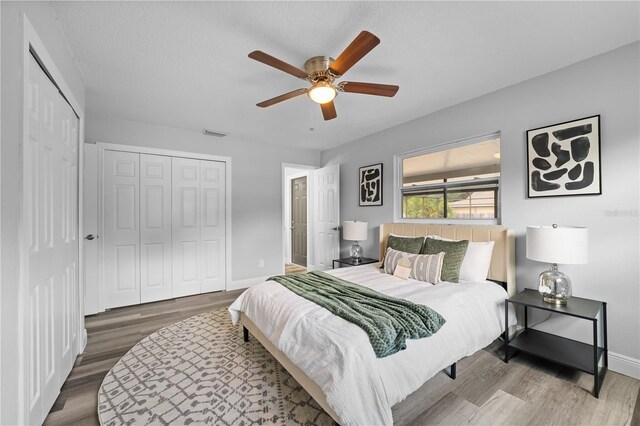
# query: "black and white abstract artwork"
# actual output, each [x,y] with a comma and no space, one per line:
[564,159]
[371,185]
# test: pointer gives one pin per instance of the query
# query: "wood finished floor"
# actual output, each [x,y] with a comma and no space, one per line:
[487,391]
[292,268]
[109,336]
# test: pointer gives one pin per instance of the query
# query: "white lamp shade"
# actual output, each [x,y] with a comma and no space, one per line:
[566,245]
[354,231]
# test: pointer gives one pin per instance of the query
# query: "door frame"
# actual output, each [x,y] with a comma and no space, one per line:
[305,170]
[104,146]
[32,41]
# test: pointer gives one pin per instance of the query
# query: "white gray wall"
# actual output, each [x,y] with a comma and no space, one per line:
[607,85]
[256,184]
[43,19]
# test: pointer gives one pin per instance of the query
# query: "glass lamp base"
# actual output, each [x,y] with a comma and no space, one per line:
[356,252]
[554,286]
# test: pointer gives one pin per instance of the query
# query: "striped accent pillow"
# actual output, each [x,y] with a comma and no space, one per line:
[424,267]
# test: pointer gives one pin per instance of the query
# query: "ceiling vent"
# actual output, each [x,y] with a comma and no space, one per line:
[210,132]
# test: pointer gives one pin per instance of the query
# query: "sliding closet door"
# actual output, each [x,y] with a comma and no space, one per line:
[185,215]
[155,227]
[121,244]
[212,230]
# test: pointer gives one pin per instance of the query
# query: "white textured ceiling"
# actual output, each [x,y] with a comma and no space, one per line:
[184,64]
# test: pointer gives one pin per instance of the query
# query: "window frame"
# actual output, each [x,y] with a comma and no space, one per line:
[398,182]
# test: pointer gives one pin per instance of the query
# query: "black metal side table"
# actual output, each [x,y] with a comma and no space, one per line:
[562,351]
[350,262]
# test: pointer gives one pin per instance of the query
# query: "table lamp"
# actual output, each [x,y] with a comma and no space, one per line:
[353,230]
[556,244]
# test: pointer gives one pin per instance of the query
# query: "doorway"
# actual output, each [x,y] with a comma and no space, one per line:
[299,221]
[322,204]
[296,194]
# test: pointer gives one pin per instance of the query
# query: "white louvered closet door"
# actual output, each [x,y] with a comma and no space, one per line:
[155,227]
[121,235]
[212,227]
[51,216]
[185,216]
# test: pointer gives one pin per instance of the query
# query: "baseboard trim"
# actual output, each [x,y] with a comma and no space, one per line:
[246,283]
[624,365]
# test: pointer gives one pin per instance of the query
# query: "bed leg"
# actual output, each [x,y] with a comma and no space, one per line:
[451,371]
[245,333]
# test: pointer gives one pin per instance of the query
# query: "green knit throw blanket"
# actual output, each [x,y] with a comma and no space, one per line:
[388,321]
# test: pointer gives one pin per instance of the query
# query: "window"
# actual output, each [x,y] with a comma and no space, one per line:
[460,182]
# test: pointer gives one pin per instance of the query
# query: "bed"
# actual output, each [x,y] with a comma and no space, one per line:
[332,358]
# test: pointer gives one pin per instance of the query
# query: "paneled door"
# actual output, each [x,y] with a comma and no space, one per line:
[91,226]
[163,227]
[155,227]
[299,221]
[185,216]
[212,229]
[326,190]
[51,217]
[121,231]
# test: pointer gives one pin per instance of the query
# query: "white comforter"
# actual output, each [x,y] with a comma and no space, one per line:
[337,355]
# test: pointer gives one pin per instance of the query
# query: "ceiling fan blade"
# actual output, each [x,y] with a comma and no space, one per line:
[368,88]
[328,111]
[360,46]
[277,63]
[281,98]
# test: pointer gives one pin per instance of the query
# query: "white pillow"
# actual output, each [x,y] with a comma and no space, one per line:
[477,260]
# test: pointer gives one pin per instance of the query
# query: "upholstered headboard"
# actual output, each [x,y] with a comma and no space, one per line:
[502,267]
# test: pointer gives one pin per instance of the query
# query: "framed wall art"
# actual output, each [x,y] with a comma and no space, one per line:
[564,159]
[370,191]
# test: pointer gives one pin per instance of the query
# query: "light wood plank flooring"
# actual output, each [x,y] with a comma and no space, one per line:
[109,336]
[292,268]
[487,391]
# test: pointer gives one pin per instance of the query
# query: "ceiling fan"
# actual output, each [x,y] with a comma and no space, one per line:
[322,71]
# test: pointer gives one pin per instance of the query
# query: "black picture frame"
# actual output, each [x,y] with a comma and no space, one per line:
[563,159]
[370,185]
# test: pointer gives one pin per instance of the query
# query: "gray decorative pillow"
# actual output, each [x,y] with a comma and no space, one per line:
[424,267]
[454,255]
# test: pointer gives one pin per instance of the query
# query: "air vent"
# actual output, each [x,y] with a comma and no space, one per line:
[210,132]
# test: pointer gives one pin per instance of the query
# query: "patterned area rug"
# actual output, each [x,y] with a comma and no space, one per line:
[200,371]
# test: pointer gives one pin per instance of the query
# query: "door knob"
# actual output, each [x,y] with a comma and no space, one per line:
[90,237]
[334,229]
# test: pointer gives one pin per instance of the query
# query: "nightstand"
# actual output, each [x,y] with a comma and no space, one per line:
[349,261]
[562,351]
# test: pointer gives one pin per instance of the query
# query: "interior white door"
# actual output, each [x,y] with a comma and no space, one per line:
[213,226]
[326,196]
[155,227]
[90,224]
[51,216]
[185,215]
[121,231]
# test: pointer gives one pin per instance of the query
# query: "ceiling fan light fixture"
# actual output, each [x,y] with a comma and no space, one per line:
[322,92]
